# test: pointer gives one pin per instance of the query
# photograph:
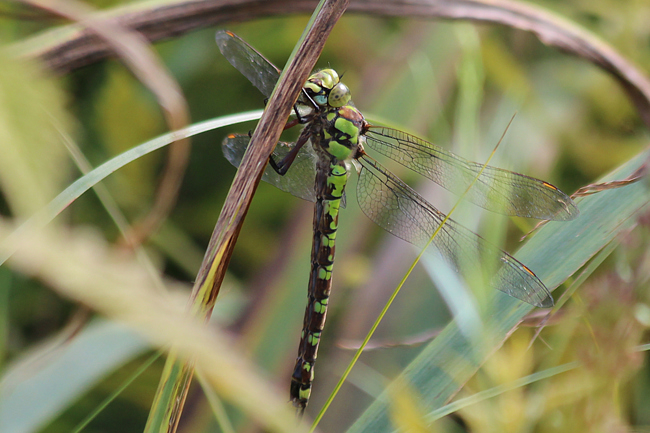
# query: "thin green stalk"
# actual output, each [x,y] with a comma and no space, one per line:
[46,214]
[500,389]
[219,411]
[373,328]
[92,415]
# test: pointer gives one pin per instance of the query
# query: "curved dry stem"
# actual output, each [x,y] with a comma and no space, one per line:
[69,48]
[135,52]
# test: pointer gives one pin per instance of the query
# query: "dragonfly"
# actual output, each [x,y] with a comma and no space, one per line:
[333,143]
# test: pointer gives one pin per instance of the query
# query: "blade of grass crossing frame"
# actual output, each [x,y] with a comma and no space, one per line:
[556,252]
[57,205]
[220,415]
[390,300]
[501,389]
[108,400]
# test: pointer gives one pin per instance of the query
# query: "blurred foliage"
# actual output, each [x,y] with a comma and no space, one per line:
[457,84]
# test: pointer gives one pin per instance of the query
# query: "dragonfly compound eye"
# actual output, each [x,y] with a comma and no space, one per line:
[339,96]
[328,78]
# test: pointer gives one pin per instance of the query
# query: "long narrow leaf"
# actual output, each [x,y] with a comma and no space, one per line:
[555,253]
[86,182]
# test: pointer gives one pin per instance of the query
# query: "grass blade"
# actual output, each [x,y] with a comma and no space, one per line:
[555,253]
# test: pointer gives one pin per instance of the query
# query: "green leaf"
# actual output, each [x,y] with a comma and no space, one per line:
[36,389]
[47,213]
[555,253]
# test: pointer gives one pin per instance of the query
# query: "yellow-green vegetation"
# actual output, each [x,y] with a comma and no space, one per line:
[83,310]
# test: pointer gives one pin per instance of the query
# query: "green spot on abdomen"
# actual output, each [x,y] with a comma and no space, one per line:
[329,240]
[338,170]
[314,338]
[305,393]
[324,274]
[338,150]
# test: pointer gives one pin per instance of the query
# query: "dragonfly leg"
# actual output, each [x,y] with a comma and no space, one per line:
[300,119]
[292,123]
[282,167]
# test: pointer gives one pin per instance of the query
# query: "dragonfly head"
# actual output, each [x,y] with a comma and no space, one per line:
[321,84]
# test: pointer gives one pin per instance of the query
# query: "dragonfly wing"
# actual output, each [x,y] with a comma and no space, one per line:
[260,72]
[298,181]
[254,66]
[495,189]
[397,208]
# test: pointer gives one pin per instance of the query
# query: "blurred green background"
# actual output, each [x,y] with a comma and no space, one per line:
[454,83]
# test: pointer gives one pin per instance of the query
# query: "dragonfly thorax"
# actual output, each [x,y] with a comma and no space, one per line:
[341,132]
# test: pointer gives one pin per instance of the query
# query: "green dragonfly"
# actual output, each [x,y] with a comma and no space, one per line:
[316,168]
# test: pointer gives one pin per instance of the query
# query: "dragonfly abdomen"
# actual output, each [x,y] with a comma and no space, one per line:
[331,177]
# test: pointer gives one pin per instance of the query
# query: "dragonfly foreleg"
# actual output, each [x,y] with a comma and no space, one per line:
[282,167]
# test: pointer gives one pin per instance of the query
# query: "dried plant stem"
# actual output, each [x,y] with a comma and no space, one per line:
[208,282]
[69,48]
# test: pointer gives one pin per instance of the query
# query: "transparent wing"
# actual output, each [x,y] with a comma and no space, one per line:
[254,66]
[260,72]
[397,208]
[495,189]
[298,181]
